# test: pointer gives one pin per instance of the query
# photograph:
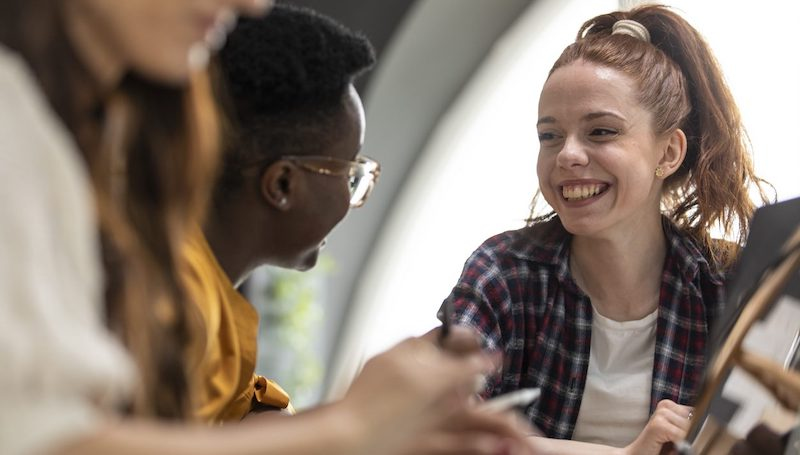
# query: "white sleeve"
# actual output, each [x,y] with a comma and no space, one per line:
[63,371]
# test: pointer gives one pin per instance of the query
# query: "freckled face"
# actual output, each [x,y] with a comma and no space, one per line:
[598,150]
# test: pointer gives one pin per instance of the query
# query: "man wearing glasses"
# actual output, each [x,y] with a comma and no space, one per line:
[293,126]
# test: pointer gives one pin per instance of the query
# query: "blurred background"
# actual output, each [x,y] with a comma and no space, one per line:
[451,116]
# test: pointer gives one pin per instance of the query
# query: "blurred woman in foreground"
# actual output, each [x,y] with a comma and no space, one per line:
[108,145]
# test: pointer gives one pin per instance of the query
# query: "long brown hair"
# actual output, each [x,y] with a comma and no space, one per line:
[681,83]
[151,151]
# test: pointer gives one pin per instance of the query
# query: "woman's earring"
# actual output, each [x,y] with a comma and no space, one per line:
[282,202]
[659,172]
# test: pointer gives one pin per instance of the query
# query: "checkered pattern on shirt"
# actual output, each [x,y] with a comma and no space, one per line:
[517,292]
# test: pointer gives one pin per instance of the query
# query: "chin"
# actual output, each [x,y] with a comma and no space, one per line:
[174,68]
[307,261]
[581,226]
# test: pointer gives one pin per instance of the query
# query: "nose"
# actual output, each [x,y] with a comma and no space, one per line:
[572,154]
[251,7]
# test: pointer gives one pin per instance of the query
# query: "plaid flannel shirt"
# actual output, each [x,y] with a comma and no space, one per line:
[517,292]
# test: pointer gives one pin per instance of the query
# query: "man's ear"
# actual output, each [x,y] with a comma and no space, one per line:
[673,154]
[278,184]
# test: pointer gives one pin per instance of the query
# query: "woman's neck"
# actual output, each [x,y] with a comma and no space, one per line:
[621,273]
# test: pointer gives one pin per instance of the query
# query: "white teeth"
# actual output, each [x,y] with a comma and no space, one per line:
[579,192]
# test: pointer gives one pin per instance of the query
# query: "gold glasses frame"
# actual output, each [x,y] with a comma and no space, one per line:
[363,172]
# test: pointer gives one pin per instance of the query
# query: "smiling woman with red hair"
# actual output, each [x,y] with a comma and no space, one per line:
[607,302]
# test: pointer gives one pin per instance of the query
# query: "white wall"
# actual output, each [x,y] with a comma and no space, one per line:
[477,173]
[756,46]
[476,177]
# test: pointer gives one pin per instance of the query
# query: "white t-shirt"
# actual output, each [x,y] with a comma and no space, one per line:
[62,370]
[616,400]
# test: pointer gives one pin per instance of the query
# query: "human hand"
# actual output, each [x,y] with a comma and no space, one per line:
[474,431]
[459,339]
[669,424]
[418,394]
[462,340]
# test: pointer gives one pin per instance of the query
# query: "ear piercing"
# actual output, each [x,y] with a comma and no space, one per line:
[659,172]
[282,202]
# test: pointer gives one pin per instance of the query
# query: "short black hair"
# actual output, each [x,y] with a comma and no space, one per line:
[281,81]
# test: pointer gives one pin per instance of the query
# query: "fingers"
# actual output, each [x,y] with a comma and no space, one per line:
[462,340]
[462,351]
[680,412]
[668,424]
[425,391]
[471,431]
[674,419]
[678,416]
[422,369]
[664,430]
[675,407]
[502,423]
[462,444]
[476,432]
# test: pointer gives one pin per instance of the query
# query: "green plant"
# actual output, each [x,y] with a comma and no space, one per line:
[290,304]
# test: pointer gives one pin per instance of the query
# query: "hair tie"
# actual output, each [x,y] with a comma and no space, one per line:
[631,28]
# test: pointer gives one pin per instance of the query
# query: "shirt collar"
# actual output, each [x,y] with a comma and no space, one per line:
[548,243]
[688,256]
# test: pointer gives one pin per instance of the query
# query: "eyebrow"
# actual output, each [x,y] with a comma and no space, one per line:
[589,116]
[546,120]
[599,114]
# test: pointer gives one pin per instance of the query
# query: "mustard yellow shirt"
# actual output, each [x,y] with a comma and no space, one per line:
[225,350]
